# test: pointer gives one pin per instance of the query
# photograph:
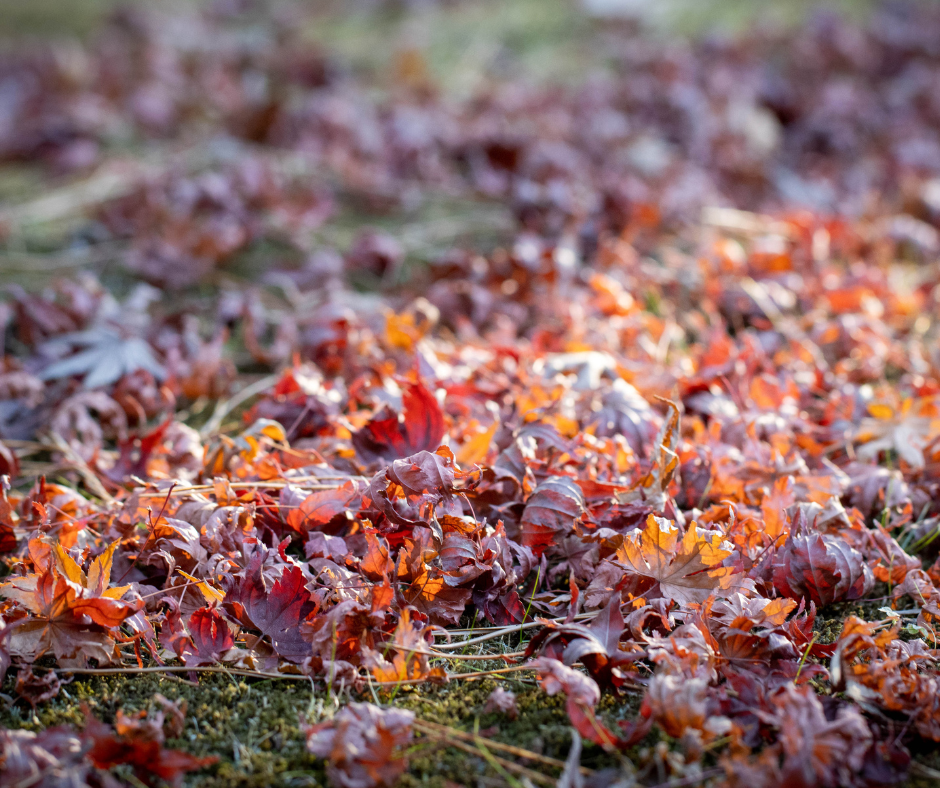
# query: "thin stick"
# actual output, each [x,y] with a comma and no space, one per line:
[272,485]
[263,675]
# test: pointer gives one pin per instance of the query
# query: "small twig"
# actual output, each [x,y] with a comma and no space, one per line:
[272,485]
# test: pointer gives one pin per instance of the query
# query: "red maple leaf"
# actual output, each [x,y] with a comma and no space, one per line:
[276,612]
[389,436]
[211,638]
[70,613]
[138,742]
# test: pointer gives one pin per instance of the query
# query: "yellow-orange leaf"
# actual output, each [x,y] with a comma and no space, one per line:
[475,450]
[211,594]
[687,570]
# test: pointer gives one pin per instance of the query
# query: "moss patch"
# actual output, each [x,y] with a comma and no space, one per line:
[255,726]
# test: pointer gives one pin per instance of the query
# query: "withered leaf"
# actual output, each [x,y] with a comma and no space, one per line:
[276,609]
[104,357]
[389,436]
[550,513]
[409,655]
[138,742]
[210,635]
[596,646]
[319,508]
[686,571]
[66,619]
[363,745]
[822,568]
[582,695]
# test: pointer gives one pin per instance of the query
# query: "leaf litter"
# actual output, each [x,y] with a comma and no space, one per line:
[643,455]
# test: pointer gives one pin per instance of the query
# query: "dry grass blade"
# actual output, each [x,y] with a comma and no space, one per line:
[495,745]
[226,406]
[75,461]
[477,674]
[460,744]
[502,655]
[131,670]
[492,633]
[695,779]
[742,222]
[114,179]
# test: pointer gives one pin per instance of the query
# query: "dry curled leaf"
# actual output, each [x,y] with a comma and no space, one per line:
[137,741]
[363,745]
[551,512]
[821,568]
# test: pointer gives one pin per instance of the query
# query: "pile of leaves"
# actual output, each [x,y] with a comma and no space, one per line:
[661,443]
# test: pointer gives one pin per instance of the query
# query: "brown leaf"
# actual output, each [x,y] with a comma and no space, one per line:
[36,689]
[582,695]
[363,745]
[410,654]
[138,742]
[817,750]
[551,512]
